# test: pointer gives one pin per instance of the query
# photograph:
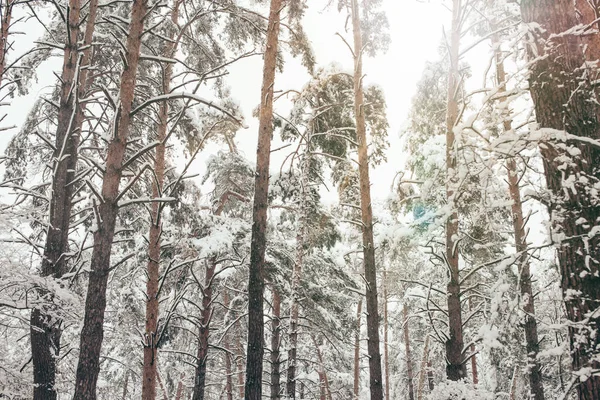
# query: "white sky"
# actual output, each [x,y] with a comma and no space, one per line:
[415,29]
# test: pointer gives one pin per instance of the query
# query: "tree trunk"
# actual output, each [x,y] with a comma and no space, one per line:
[375,376]
[255,351]
[409,365]
[45,326]
[240,364]
[179,394]
[531,334]
[472,349]
[565,100]
[423,369]
[386,362]
[92,333]
[162,387]
[6,8]
[204,330]
[356,386]
[125,385]
[227,354]
[297,271]
[455,368]
[275,342]
[154,237]
[323,381]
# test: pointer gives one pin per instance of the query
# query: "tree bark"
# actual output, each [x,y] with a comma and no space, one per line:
[6,8]
[423,369]
[297,271]
[227,354]
[154,236]
[409,364]
[565,100]
[455,367]
[525,286]
[204,330]
[356,386]
[256,283]
[45,325]
[275,342]
[180,387]
[375,375]
[92,333]
[386,362]
[323,380]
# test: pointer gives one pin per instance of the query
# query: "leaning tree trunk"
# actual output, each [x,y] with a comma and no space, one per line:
[92,333]
[325,389]
[256,284]
[45,325]
[154,237]
[525,286]
[564,93]
[275,344]
[455,367]
[375,381]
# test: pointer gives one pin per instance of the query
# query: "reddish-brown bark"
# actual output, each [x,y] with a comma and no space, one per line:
[525,286]
[92,334]
[204,330]
[256,283]
[297,275]
[46,326]
[375,375]
[565,99]
[325,389]
[455,367]
[154,237]
[275,342]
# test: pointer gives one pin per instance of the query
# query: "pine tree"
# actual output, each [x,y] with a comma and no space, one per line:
[562,91]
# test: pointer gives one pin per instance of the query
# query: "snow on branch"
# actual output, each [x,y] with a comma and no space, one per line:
[190,96]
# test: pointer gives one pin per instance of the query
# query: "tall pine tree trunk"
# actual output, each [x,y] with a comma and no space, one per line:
[92,334]
[204,330]
[256,284]
[525,287]
[375,376]
[455,367]
[565,99]
[275,343]
[154,237]
[297,271]
[45,325]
